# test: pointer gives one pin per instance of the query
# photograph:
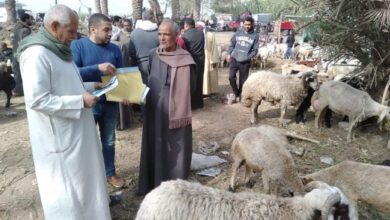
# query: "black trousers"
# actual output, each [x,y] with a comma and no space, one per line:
[243,69]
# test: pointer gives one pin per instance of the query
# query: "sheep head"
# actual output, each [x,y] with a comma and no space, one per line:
[324,200]
[310,79]
[385,114]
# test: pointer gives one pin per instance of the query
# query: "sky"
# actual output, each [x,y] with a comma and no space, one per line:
[115,7]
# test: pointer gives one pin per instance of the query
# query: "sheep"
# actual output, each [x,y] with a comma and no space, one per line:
[273,87]
[346,210]
[289,68]
[362,182]
[261,58]
[223,59]
[346,100]
[310,63]
[264,149]
[7,83]
[303,52]
[178,199]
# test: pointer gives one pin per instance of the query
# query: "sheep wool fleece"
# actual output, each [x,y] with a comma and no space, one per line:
[66,149]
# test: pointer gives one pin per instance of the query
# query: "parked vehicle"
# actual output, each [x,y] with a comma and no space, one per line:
[263,22]
[233,25]
[222,21]
[288,25]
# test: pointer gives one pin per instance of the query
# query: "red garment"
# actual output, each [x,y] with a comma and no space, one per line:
[181,43]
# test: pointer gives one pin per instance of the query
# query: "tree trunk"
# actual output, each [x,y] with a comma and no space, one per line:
[155,6]
[98,9]
[137,10]
[196,11]
[175,10]
[10,7]
[104,6]
[55,2]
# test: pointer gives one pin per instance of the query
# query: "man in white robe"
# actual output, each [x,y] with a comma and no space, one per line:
[210,76]
[66,150]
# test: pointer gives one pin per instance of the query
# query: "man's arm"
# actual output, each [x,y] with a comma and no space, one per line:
[132,50]
[255,47]
[37,86]
[119,57]
[232,44]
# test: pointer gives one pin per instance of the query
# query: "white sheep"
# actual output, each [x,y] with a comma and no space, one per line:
[346,100]
[361,182]
[178,200]
[290,68]
[347,209]
[264,149]
[275,88]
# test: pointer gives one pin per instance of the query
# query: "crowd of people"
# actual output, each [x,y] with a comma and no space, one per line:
[178,62]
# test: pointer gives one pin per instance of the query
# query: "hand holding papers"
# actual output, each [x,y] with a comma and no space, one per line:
[129,87]
[108,87]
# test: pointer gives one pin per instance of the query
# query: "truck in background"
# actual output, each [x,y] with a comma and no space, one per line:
[263,22]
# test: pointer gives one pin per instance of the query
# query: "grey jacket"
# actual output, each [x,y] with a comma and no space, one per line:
[142,40]
[244,46]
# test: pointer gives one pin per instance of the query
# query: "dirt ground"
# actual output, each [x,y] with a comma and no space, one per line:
[19,197]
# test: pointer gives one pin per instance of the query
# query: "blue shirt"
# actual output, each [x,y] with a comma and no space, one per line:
[88,55]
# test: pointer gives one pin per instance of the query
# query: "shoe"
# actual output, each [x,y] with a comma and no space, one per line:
[231,98]
[116,181]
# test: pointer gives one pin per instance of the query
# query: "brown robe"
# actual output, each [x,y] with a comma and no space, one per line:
[166,153]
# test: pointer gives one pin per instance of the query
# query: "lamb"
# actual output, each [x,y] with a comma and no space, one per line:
[362,182]
[264,149]
[7,83]
[274,88]
[356,104]
[177,200]
[346,210]
[223,61]
[289,68]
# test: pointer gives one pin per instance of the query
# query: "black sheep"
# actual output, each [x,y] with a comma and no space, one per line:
[7,84]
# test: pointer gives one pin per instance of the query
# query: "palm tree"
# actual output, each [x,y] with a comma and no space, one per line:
[98,9]
[104,6]
[175,5]
[137,10]
[359,29]
[155,6]
[196,9]
[11,11]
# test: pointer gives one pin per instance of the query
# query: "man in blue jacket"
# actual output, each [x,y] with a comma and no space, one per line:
[244,46]
[95,56]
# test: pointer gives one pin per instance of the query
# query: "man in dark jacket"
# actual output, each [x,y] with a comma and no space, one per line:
[244,46]
[194,41]
[290,43]
[22,30]
[142,40]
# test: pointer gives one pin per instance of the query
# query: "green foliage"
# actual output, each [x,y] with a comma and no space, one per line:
[255,6]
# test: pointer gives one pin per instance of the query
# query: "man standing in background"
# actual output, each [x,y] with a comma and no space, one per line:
[244,46]
[142,40]
[96,56]
[210,76]
[194,41]
[22,30]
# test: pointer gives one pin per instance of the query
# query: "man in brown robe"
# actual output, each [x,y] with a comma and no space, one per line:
[167,132]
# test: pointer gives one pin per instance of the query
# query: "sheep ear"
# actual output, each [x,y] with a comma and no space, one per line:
[383,114]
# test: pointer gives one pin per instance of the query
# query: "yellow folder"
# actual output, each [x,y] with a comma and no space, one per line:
[129,87]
